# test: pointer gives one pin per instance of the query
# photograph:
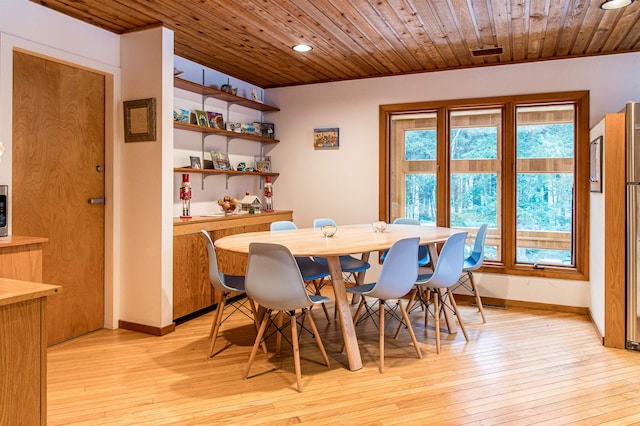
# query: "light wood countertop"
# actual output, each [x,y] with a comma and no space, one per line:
[13,291]
[18,240]
[212,223]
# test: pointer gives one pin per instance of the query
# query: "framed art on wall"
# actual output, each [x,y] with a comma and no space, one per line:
[326,138]
[140,120]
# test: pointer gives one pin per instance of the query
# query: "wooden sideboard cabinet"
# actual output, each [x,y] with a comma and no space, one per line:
[192,290]
[23,352]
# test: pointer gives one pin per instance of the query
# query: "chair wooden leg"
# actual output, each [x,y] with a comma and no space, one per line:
[476,293]
[412,297]
[314,329]
[278,334]
[381,336]
[405,315]
[359,310]
[296,350]
[436,314]
[256,321]
[455,309]
[215,327]
[263,326]
[318,287]
[426,310]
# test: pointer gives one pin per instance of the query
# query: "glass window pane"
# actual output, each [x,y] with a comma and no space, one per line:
[420,145]
[545,141]
[473,200]
[475,180]
[420,198]
[545,182]
[413,159]
[474,143]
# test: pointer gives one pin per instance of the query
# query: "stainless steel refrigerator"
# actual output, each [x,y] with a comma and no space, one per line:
[632,131]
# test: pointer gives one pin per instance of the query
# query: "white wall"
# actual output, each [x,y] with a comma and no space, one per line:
[596,244]
[147,184]
[343,183]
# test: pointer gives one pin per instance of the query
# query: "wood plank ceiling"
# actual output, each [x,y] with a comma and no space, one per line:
[252,39]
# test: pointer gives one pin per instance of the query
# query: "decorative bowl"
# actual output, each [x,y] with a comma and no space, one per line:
[328,230]
[379,226]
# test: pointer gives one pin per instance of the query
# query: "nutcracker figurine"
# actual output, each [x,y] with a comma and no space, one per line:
[268,193]
[185,196]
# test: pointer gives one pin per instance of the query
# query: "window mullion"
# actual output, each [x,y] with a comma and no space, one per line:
[509,186]
[444,169]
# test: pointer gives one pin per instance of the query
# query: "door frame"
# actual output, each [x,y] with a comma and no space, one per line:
[113,142]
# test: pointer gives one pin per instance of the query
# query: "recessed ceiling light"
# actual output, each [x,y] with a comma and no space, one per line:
[615,4]
[302,48]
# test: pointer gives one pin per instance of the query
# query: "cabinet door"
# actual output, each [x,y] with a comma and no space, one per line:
[22,368]
[191,288]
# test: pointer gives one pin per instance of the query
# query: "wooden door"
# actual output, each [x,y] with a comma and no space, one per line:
[58,165]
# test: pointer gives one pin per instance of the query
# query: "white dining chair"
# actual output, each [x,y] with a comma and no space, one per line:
[275,283]
[313,272]
[397,277]
[226,285]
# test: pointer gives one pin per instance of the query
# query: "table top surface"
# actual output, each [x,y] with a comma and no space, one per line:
[349,239]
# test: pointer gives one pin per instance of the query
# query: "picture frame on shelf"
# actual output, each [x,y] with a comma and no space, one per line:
[233,126]
[195,162]
[200,118]
[140,120]
[247,129]
[216,120]
[220,160]
[263,166]
[266,130]
[326,138]
[181,115]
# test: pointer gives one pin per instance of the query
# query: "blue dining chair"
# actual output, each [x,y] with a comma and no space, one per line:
[275,283]
[445,275]
[397,278]
[471,263]
[350,265]
[423,253]
[312,272]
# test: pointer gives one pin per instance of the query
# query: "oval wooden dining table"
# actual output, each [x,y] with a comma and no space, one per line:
[348,240]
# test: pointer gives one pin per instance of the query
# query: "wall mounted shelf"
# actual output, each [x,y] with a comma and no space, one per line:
[228,133]
[224,96]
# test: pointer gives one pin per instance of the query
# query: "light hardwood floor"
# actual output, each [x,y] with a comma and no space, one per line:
[522,367]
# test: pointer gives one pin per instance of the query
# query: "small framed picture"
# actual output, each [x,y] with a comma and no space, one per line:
[181,115]
[200,118]
[220,160]
[263,166]
[326,138]
[140,120]
[195,162]
[215,120]
[266,130]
